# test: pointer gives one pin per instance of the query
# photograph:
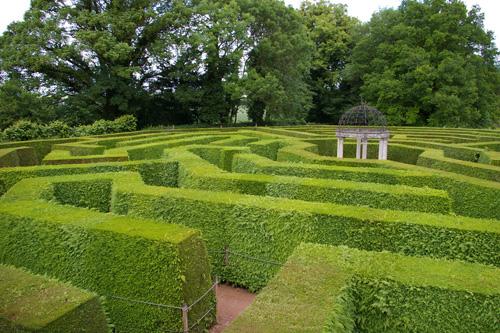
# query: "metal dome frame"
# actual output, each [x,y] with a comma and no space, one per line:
[362,123]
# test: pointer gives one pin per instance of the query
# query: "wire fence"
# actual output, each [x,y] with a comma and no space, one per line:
[187,327]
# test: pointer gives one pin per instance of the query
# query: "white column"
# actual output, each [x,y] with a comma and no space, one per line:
[386,146]
[381,149]
[365,148]
[358,148]
[340,147]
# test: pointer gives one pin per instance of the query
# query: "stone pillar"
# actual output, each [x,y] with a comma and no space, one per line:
[381,149]
[386,147]
[364,149]
[358,148]
[340,147]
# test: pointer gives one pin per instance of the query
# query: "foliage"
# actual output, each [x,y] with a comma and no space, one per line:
[110,255]
[429,62]
[175,62]
[26,130]
[340,289]
[332,32]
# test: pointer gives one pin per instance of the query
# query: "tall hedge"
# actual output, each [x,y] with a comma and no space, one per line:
[113,256]
[339,289]
[271,227]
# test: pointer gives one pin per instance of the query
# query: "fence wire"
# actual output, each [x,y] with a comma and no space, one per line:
[226,252]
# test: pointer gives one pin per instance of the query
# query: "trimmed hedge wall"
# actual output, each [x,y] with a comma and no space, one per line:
[197,173]
[19,156]
[41,147]
[155,150]
[272,227]
[154,172]
[435,159]
[57,157]
[110,255]
[470,197]
[339,289]
[34,303]
[80,148]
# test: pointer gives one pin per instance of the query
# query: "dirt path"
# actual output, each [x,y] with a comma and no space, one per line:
[231,302]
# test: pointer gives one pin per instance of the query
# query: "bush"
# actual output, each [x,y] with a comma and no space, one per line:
[27,130]
[58,129]
[24,130]
[127,123]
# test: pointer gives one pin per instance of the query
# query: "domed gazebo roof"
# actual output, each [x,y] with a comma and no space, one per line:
[363,121]
[363,115]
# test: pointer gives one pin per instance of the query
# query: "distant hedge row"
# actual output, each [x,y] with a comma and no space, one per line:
[26,130]
[470,197]
[194,172]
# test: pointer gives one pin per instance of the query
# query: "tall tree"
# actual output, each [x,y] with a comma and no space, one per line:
[429,63]
[277,63]
[331,30]
[165,61]
[101,56]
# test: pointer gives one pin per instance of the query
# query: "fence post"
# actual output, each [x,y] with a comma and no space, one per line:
[185,320]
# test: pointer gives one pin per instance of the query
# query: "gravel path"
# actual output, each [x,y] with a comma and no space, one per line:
[231,302]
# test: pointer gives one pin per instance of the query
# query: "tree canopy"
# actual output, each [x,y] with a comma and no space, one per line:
[428,62]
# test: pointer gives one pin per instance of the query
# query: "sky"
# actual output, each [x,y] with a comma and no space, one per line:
[13,10]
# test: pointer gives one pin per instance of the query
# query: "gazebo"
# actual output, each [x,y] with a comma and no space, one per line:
[362,123]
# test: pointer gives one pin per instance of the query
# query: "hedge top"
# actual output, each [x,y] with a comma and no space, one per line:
[33,301]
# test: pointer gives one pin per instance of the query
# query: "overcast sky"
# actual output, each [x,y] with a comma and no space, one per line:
[13,10]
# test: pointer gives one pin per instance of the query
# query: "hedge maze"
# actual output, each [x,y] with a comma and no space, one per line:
[147,220]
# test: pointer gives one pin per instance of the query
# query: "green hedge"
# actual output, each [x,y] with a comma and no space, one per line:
[197,173]
[338,289]
[110,255]
[18,156]
[271,227]
[41,147]
[235,140]
[155,150]
[435,159]
[304,152]
[470,197]
[80,148]
[34,303]
[266,148]
[154,172]
[57,157]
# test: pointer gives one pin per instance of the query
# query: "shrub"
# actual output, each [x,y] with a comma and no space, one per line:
[24,130]
[127,123]
[58,129]
[27,130]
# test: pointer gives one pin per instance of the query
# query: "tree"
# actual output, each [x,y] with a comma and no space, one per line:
[99,57]
[429,63]
[164,61]
[331,31]
[277,64]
